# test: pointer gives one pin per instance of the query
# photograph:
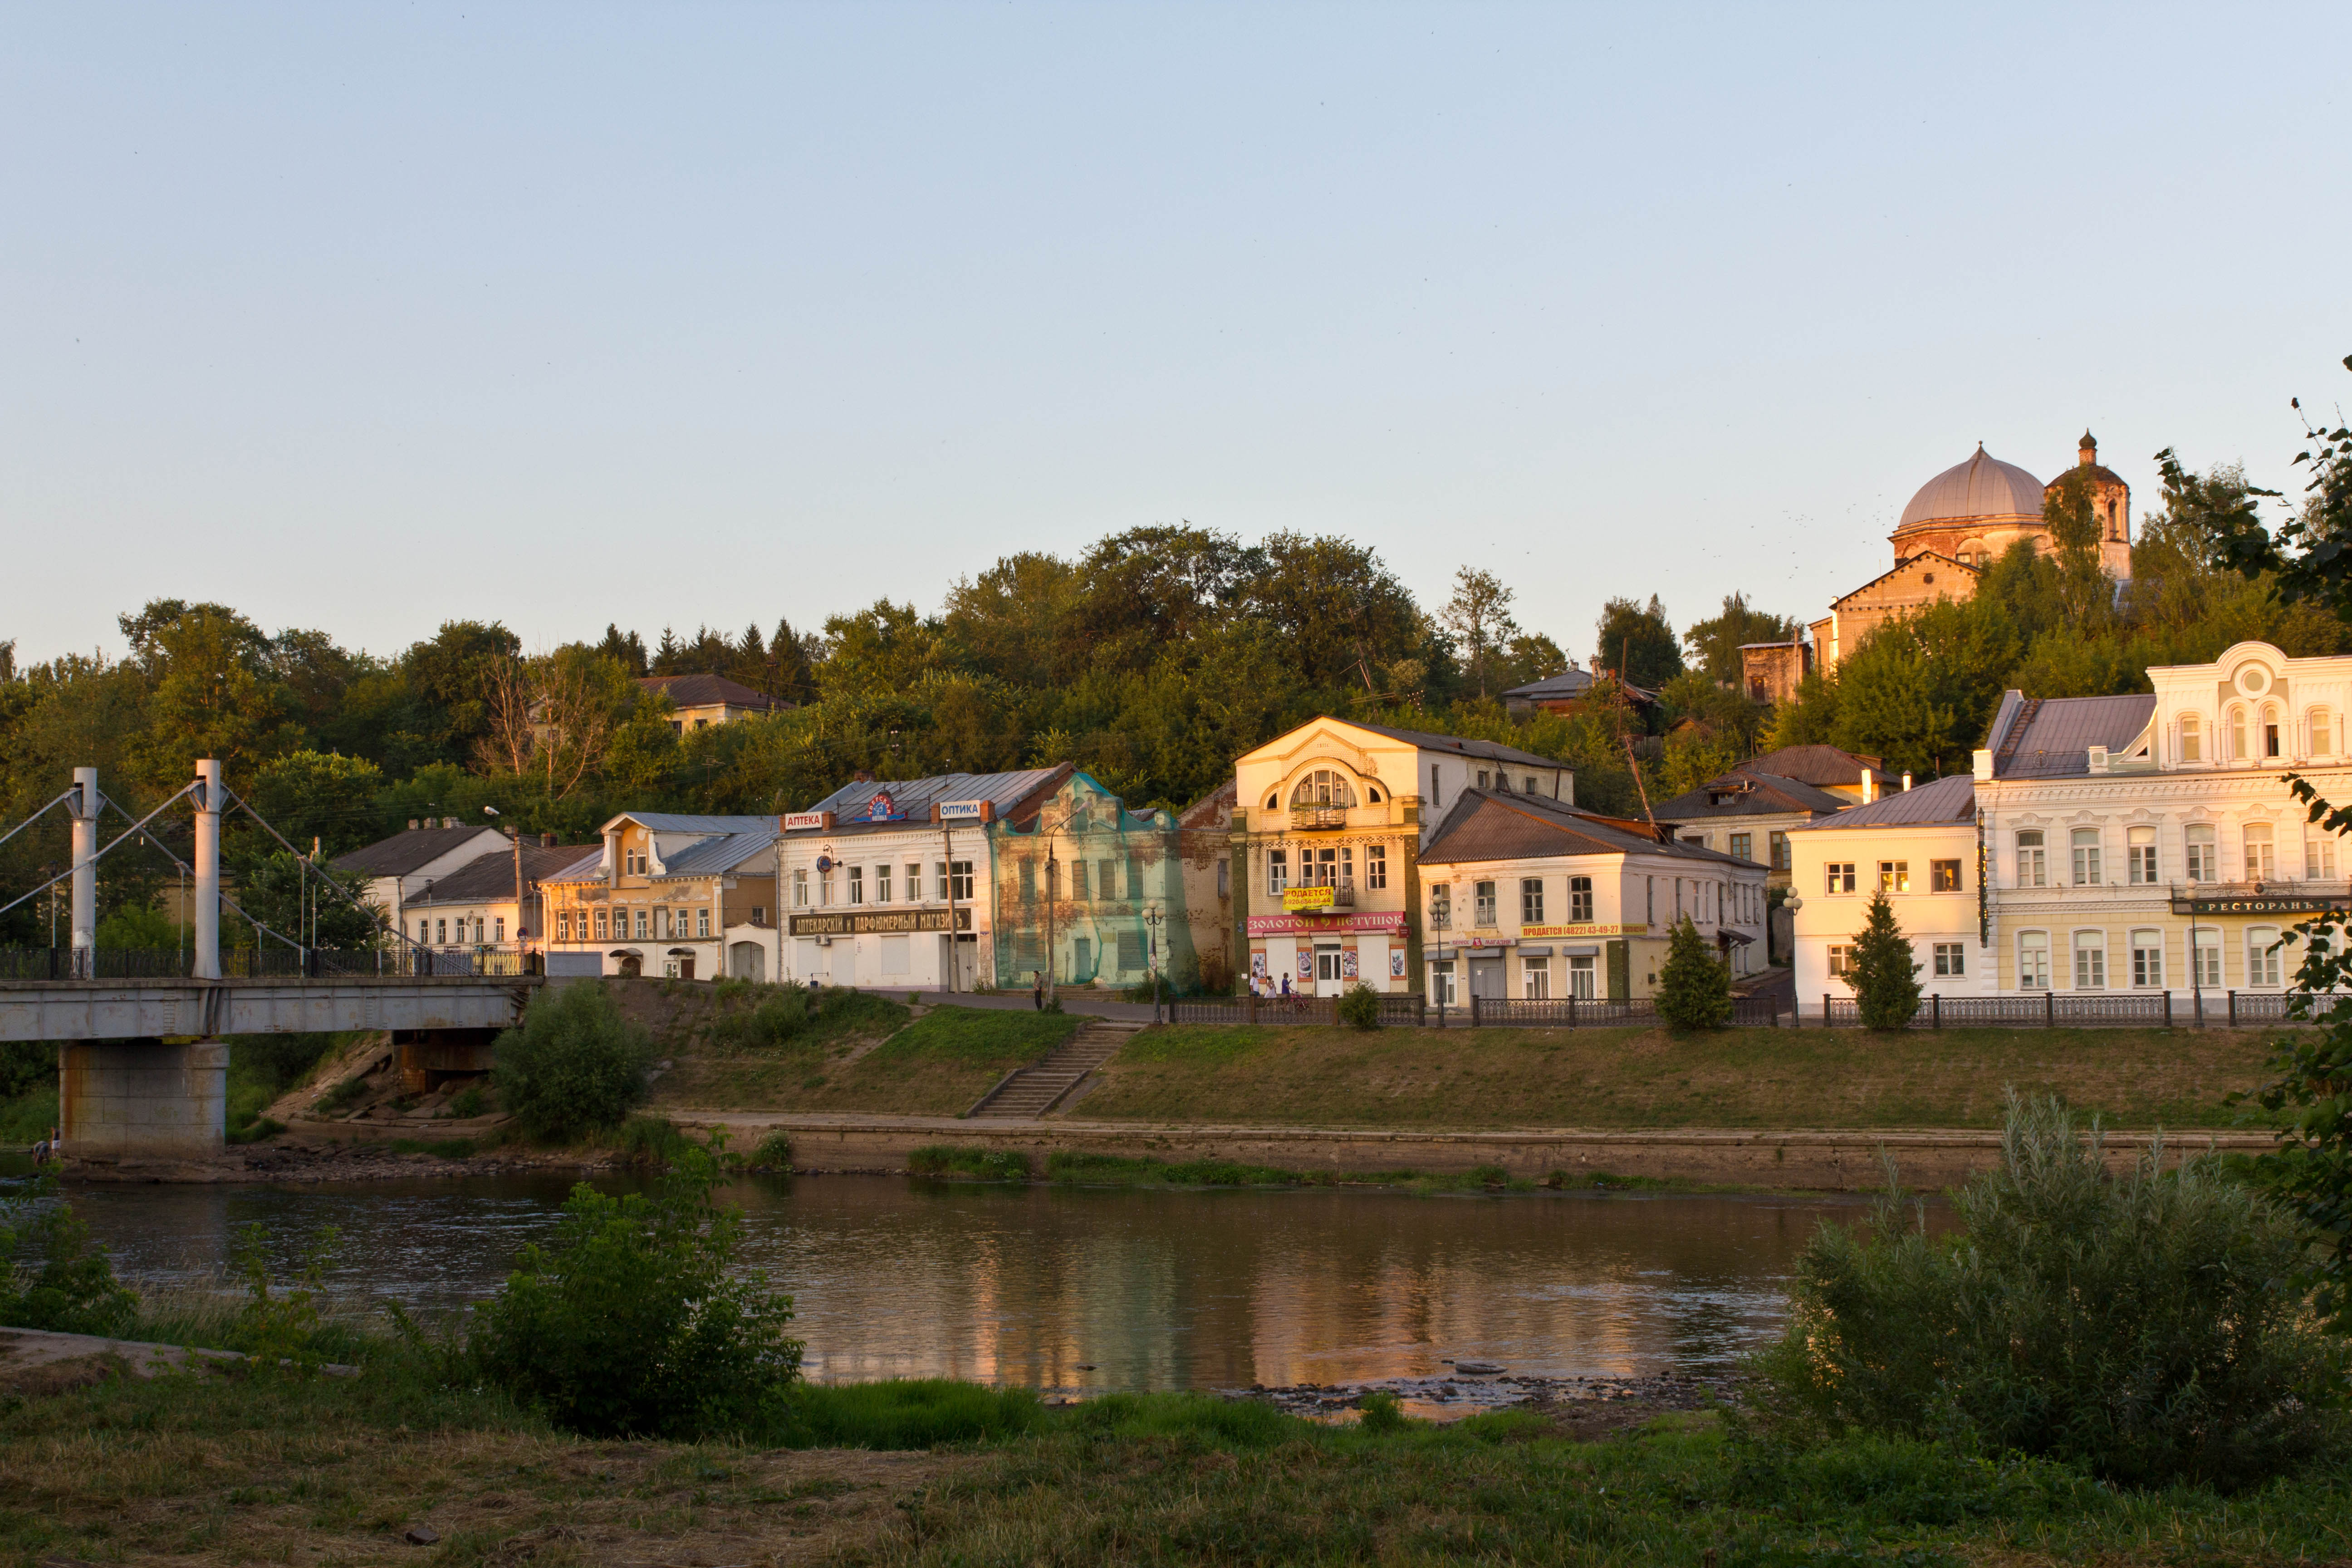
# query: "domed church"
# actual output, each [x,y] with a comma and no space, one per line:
[1958,524]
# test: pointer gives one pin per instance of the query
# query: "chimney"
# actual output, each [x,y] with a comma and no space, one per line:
[1869,786]
[412,825]
[547,841]
[449,822]
[1907,783]
[861,777]
[2089,451]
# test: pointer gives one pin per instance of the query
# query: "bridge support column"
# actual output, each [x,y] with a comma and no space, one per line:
[85,873]
[206,915]
[142,1099]
[430,1057]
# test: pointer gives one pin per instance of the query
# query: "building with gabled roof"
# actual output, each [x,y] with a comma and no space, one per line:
[399,867]
[1526,897]
[679,895]
[475,905]
[701,700]
[1747,815]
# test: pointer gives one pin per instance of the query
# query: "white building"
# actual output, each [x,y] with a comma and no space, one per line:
[1919,847]
[682,897]
[402,867]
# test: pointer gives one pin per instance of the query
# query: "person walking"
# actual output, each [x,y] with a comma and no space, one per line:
[1037,989]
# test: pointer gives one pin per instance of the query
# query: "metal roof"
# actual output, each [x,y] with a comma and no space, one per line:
[912,799]
[1568,683]
[588,868]
[1765,795]
[1459,745]
[1816,765]
[2050,739]
[671,822]
[718,855]
[1952,798]
[1983,486]
[405,852]
[491,878]
[1492,825]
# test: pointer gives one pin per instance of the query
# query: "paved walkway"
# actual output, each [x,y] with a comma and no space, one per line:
[1018,1002]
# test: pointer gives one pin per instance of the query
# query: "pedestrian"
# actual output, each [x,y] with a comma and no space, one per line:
[1286,985]
[1037,989]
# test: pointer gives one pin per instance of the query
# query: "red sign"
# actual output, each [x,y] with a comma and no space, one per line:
[1304,925]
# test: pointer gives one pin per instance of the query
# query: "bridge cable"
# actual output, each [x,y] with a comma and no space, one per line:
[69,870]
[358,902]
[35,817]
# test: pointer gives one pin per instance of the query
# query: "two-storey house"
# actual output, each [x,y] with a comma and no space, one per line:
[684,897]
[1918,847]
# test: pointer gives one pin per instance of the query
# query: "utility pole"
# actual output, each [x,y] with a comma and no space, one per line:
[1153,920]
[947,868]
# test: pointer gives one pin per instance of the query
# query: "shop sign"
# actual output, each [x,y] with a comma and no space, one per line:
[1306,898]
[881,808]
[1637,928]
[960,810]
[2264,905]
[1311,924]
[874,921]
[804,821]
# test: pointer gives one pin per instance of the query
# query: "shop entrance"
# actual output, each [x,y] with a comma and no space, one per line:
[1486,978]
[1327,970]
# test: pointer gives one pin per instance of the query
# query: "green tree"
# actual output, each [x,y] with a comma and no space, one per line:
[310,794]
[575,1064]
[1479,617]
[2085,593]
[214,694]
[1714,643]
[1637,643]
[1887,707]
[1694,985]
[1879,971]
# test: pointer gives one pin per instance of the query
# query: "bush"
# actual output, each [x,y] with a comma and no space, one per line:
[774,1152]
[639,1317]
[1693,986]
[1383,1412]
[2132,1326]
[772,1022]
[52,1276]
[1360,1008]
[1883,977]
[953,1160]
[575,1065]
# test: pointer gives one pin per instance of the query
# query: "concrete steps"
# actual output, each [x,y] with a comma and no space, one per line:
[1027,1093]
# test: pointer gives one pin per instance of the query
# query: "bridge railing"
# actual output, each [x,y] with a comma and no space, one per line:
[265,963]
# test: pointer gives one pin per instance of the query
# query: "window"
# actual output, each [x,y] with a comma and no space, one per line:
[702,921]
[1324,786]
[959,880]
[2262,956]
[2034,961]
[1743,847]
[1131,952]
[1944,875]
[1376,865]
[2205,965]
[1503,781]
[1841,877]
[882,883]
[1106,886]
[2086,857]
[1777,844]
[601,935]
[1580,898]
[1134,877]
[1894,876]
[2237,733]
[442,926]
[1225,877]
[857,884]
[661,922]
[799,888]
[2323,732]
[1531,783]
[2204,854]
[497,929]
[1485,896]
[2270,732]
[1078,881]
[1029,881]
[758,914]
[1950,959]
[2319,857]
[563,926]
[1441,906]
[2032,860]
[1580,977]
[633,863]
[2192,742]
[1531,901]
[644,925]
[1482,778]
[2090,961]
[1538,981]
[2148,959]
[914,881]
[2140,856]
[1441,980]
[824,888]
[1277,871]
[1839,960]
[2261,862]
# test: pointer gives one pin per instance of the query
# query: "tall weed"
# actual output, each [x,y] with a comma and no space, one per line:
[573,1065]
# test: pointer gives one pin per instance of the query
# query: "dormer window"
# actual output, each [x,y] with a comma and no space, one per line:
[2191,741]
[2323,732]
[1324,786]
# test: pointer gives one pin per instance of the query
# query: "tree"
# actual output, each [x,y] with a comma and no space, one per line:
[1479,616]
[213,693]
[573,1064]
[1637,643]
[1879,971]
[1694,985]
[1715,644]
[2070,512]
[310,794]
[1886,706]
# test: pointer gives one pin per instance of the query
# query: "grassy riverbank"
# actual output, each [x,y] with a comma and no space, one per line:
[1323,1077]
[271,1469]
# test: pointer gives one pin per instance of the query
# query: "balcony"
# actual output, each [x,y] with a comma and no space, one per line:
[1311,817]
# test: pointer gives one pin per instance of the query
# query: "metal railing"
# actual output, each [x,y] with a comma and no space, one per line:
[1415,1010]
[61,964]
[1312,817]
[2065,1009]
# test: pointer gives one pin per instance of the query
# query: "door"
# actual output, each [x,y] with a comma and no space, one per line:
[967,949]
[1580,977]
[1327,972]
[1486,978]
[748,961]
[686,967]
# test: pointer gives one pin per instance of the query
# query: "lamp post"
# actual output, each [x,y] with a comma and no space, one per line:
[1153,920]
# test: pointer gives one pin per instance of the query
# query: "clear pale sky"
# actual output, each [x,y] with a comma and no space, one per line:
[367,317]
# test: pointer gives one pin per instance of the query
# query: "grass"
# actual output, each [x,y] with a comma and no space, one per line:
[952,1160]
[1633,1077]
[270,1467]
[935,1065]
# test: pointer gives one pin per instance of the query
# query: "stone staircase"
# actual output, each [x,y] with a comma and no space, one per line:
[1029,1092]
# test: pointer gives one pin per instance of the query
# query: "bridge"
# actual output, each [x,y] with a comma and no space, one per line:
[143,1068]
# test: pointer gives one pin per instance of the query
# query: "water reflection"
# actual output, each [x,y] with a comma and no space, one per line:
[1149,1290]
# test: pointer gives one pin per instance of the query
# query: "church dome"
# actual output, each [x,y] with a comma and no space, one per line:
[1984,486]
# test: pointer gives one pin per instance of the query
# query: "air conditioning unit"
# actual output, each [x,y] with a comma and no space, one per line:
[825,941]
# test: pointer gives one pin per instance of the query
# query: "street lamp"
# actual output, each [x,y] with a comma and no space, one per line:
[1153,920]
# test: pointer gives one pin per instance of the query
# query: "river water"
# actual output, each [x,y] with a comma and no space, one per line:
[1076,1287]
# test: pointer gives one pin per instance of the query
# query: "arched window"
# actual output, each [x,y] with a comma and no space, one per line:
[2260,860]
[2270,731]
[1324,786]
[2191,739]
[2323,732]
[2238,752]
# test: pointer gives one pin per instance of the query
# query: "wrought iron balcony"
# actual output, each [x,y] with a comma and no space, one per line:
[1313,817]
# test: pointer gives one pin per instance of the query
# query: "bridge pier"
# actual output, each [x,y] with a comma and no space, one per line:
[143,1098]
[427,1058]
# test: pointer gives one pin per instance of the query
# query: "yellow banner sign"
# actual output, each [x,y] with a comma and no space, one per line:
[1305,898]
[1637,929]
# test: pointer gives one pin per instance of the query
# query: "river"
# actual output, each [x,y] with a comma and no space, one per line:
[1093,1288]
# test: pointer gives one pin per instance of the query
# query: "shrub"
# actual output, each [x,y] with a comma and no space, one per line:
[774,1152]
[772,1022]
[279,1329]
[639,1317]
[575,1065]
[2132,1326]
[910,1412]
[52,1276]
[1360,1008]
[1883,977]
[469,1102]
[1693,986]
[954,1160]
[1383,1412]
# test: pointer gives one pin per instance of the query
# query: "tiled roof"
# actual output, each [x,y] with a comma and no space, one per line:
[1950,799]
[704,690]
[2050,739]
[1816,765]
[1459,745]
[405,852]
[1490,825]
[492,876]
[1750,795]
[913,798]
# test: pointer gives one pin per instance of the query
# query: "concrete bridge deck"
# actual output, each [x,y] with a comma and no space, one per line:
[64,1010]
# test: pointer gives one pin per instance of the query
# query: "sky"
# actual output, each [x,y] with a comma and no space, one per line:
[368,317]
